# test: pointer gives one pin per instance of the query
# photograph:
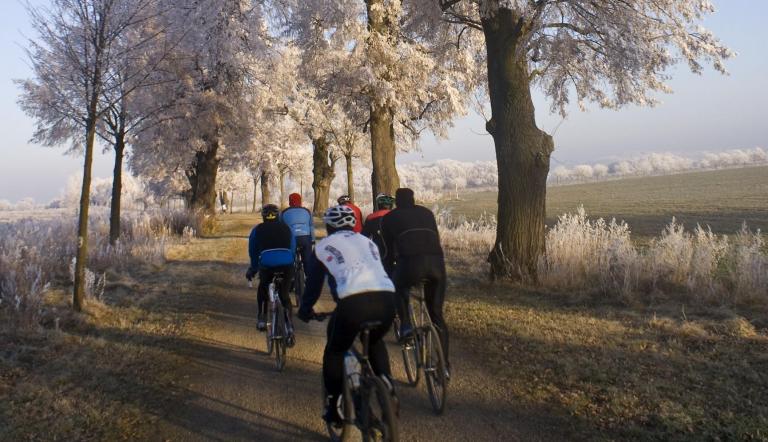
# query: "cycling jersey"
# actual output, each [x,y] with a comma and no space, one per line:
[271,244]
[352,264]
[358,217]
[299,219]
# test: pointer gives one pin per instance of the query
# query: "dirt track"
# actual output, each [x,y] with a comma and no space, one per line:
[230,390]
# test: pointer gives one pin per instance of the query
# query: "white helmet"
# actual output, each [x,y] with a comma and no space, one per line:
[340,216]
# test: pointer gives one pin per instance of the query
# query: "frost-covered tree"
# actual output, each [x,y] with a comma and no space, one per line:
[218,65]
[404,73]
[71,59]
[612,53]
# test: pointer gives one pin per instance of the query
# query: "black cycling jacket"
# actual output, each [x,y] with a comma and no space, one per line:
[410,229]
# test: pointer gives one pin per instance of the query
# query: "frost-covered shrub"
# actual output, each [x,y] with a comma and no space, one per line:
[586,254]
[686,260]
[582,252]
[748,264]
[36,253]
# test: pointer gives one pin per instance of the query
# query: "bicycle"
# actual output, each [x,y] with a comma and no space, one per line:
[366,402]
[278,333]
[299,280]
[422,352]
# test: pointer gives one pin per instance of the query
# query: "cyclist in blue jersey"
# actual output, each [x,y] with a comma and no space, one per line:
[299,219]
[272,248]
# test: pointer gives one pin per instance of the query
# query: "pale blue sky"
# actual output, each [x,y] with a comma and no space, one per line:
[706,113]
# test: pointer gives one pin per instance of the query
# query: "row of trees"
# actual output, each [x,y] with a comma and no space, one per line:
[193,86]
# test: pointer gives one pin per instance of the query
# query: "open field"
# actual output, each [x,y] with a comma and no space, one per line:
[721,199]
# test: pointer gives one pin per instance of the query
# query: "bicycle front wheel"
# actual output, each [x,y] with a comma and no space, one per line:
[410,350]
[434,370]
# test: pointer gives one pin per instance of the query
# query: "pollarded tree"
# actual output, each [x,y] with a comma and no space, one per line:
[71,60]
[609,52]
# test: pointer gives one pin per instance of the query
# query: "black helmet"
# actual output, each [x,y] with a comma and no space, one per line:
[270,212]
[384,201]
[344,199]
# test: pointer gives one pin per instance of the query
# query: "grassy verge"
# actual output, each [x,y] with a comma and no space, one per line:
[661,371]
[99,375]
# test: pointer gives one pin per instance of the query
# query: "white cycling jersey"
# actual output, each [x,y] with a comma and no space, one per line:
[353,261]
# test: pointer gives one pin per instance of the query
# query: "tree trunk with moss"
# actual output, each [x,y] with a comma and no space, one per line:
[266,194]
[522,152]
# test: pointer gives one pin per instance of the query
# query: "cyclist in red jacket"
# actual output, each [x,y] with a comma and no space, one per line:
[345,200]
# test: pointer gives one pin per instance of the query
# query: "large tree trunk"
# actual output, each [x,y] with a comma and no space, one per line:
[323,173]
[283,198]
[266,195]
[202,177]
[384,27]
[350,176]
[255,191]
[78,294]
[117,188]
[384,177]
[522,153]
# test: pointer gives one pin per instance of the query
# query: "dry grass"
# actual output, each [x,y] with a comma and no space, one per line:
[98,375]
[661,372]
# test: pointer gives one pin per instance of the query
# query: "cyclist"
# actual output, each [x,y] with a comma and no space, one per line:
[362,291]
[271,247]
[299,219]
[372,226]
[345,200]
[412,240]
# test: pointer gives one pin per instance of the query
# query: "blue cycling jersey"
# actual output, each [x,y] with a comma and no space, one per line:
[299,219]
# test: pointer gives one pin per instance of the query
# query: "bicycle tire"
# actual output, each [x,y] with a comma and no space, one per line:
[434,370]
[335,433]
[279,341]
[379,424]
[410,351]
[270,330]
[300,283]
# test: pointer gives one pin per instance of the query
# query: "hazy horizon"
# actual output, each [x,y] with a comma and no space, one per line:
[708,113]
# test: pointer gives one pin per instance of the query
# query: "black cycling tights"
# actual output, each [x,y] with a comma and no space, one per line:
[344,326]
[265,278]
[413,271]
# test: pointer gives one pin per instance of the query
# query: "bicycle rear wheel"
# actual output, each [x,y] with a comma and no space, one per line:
[346,411]
[299,282]
[377,420]
[434,370]
[280,336]
[270,329]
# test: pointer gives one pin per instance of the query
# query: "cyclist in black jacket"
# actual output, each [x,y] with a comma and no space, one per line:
[413,246]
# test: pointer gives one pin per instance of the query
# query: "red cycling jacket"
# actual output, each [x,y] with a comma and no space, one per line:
[358,217]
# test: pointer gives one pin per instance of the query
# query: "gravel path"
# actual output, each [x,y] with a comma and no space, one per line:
[230,390]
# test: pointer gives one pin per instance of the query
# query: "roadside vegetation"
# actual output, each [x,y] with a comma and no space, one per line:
[660,337]
[101,373]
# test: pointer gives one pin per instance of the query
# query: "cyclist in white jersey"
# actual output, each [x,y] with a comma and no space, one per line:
[363,292]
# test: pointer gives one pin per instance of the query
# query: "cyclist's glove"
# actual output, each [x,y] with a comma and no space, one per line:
[305,315]
[250,274]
